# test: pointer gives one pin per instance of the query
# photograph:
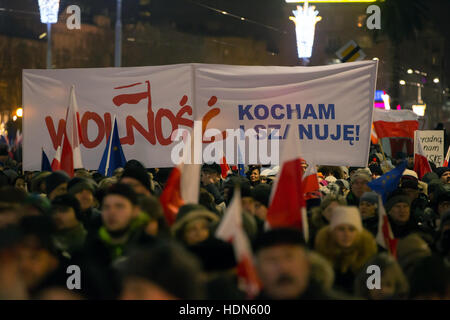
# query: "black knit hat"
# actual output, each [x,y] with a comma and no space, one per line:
[215,254]
[278,236]
[169,266]
[261,193]
[54,180]
[441,170]
[138,173]
[79,184]
[396,198]
[67,201]
[212,167]
[123,190]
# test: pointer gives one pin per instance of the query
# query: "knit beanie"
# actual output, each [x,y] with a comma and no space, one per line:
[362,173]
[138,173]
[346,215]
[77,185]
[371,197]
[54,180]
[261,193]
[441,170]
[392,201]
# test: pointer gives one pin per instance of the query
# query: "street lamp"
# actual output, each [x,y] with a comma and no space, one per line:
[118,44]
[436,80]
[49,14]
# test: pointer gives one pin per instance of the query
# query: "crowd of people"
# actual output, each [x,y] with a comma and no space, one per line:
[114,229]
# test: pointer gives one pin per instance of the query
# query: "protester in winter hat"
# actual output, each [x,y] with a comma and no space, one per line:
[444,174]
[56,184]
[430,279]
[40,266]
[410,250]
[210,178]
[84,190]
[283,266]
[70,234]
[346,244]
[123,226]
[321,216]
[20,183]
[137,177]
[398,209]
[368,207]
[359,180]
[37,205]
[219,268]
[157,225]
[38,182]
[393,283]
[163,272]
[261,196]
[12,286]
[321,270]
[193,224]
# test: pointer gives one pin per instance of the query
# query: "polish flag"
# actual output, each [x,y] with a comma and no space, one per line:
[311,183]
[225,167]
[385,236]
[447,158]
[231,230]
[71,153]
[287,206]
[182,187]
[56,163]
[421,164]
[395,123]
[373,135]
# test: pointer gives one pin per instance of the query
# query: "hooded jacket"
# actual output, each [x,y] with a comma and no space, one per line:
[346,262]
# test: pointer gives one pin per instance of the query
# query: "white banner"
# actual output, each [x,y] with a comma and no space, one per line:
[328,107]
[433,145]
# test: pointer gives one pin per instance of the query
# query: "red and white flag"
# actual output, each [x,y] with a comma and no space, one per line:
[385,236]
[395,123]
[225,167]
[311,183]
[373,135]
[71,152]
[287,206]
[56,163]
[421,164]
[447,158]
[232,230]
[182,187]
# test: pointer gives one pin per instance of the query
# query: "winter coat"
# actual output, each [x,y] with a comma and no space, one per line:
[317,222]
[70,241]
[352,200]
[346,262]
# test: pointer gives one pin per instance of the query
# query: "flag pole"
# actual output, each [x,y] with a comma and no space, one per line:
[109,148]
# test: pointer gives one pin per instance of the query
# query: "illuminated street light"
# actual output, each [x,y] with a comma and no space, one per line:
[410,71]
[436,80]
[19,112]
[331,1]
[49,14]
[14,118]
[402,82]
[305,20]
[376,59]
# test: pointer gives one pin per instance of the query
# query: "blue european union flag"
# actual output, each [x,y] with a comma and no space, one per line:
[45,163]
[113,156]
[389,181]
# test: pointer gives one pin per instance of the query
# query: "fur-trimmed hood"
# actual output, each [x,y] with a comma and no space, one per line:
[352,258]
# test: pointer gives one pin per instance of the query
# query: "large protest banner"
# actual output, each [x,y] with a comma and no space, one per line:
[328,107]
[433,145]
